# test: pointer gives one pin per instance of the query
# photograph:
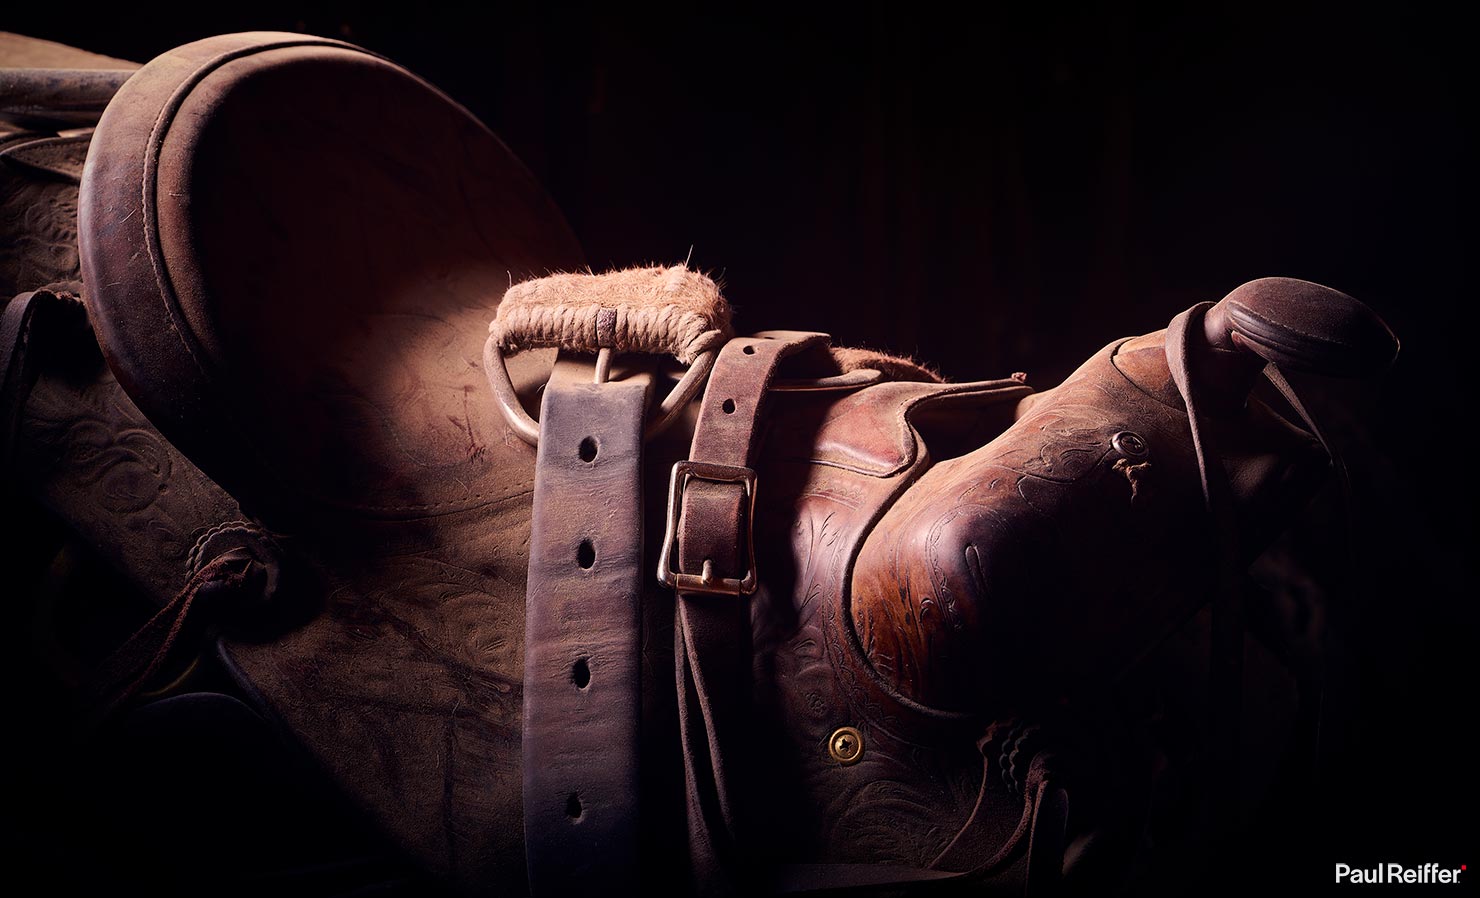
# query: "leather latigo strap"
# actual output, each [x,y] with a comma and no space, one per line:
[582,675]
[711,503]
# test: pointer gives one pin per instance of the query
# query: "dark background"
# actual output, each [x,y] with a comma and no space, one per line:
[1012,190]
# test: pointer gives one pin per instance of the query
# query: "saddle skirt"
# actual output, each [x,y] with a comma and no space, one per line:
[291,250]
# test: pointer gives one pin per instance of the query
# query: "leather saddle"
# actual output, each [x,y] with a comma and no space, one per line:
[611,597]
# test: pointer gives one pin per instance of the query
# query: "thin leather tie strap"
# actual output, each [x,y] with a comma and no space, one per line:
[15,334]
[582,687]
[134,664]
[712,629]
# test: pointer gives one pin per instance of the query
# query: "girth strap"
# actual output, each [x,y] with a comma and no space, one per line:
[582,688]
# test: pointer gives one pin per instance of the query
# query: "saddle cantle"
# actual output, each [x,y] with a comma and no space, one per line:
[893,618]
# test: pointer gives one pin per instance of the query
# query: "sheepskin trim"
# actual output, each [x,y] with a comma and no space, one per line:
[894,367]
[671,311]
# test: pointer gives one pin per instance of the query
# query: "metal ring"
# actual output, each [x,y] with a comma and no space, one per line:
[1130,444]
[175,683]
[528,429]
[682,392]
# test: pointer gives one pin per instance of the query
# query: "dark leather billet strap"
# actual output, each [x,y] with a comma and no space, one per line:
[582,688]
[23,315]
[712,630]
[15,335]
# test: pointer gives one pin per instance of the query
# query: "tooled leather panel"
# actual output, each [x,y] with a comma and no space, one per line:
[38,219]
[920,773]
[87,454]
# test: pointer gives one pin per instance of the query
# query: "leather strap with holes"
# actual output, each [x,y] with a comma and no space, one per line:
[582,687]
[714,492]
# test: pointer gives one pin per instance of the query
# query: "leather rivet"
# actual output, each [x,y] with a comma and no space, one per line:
[1129,444]
[845,745]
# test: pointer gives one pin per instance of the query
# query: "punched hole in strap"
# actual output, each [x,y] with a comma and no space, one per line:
[588,449]
[573,808]
[580,673]
[586,554]
[728,406]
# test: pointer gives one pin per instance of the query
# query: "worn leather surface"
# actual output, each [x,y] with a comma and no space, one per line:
[583,636]
[293,298]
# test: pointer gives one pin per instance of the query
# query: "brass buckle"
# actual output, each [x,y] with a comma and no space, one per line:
[707,582]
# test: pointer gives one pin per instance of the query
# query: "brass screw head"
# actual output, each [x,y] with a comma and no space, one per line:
[845,745]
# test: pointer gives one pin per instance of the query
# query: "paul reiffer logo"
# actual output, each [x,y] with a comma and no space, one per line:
[1394,874]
